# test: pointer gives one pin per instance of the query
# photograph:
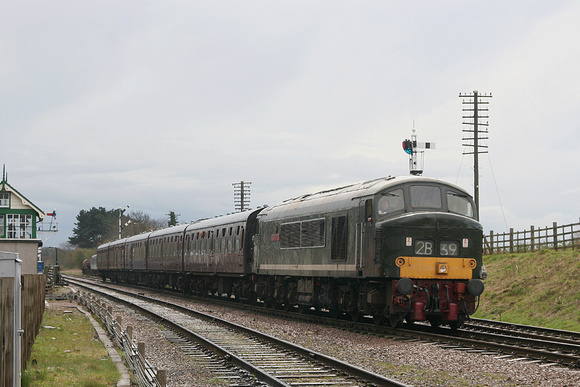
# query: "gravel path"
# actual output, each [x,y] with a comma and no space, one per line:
[414,363]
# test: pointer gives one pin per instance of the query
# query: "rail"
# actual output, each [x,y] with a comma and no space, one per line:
[145,374]
[553,238]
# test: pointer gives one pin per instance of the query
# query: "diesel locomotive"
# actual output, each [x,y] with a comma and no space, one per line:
[396,248]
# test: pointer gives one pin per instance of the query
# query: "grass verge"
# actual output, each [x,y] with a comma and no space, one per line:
[538,288]
[67,352]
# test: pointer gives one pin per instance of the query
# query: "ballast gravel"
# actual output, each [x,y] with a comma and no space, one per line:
[415,363]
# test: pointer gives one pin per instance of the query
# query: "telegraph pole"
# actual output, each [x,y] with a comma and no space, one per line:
[121,212]
[476,109]
[242,195]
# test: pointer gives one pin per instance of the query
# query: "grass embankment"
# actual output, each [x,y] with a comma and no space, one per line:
[67,353]
[540,288]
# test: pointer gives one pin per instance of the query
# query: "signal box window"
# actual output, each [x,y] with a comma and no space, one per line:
[4,199]
[19,226]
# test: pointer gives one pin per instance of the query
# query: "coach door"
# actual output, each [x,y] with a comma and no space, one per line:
[364,234]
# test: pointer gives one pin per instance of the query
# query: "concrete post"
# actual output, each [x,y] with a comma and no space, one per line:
[11,267]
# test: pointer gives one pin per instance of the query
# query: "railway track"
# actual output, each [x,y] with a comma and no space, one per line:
[226,346]
[506,343]
[513,342]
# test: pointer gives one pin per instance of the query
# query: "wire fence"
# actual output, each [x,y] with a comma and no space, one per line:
[552,238]
[143,372]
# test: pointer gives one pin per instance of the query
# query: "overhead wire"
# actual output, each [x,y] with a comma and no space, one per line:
[497,191]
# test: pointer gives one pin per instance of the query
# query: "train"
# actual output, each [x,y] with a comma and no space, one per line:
[394,249]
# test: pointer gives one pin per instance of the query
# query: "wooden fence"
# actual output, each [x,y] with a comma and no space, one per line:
[32,308]
[553,238]
[6,331]
[145,374]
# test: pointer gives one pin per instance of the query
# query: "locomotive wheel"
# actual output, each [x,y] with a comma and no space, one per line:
[395,320]
[454,325]
[379,319]
[355,315]
[335,312]
[435,321]
[302,309]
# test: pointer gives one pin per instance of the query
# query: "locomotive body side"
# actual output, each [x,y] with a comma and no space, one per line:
[314,250]
[394,248]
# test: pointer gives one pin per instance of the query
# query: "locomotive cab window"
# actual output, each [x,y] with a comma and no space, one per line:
[425,196]
[459,203]
[391,201]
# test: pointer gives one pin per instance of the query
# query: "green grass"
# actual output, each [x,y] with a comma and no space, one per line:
[66,353]
[541,288]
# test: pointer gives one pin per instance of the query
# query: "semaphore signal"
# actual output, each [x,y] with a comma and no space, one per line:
[416,151]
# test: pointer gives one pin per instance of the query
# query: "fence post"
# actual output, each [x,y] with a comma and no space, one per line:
[511,240]
[555,235]
[162,377]
[491,242]
[532,238]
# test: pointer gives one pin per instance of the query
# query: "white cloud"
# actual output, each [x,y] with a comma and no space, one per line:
[166,104]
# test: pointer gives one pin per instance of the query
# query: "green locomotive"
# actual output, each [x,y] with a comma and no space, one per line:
[394,248]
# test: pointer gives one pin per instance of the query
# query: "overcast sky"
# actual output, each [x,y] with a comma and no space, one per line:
[164,104]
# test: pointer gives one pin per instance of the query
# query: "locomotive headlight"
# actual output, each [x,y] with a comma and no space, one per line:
[442,268]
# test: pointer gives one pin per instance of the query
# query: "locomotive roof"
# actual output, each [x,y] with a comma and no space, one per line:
[340,198]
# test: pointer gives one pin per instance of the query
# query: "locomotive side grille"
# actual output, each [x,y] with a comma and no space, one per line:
[312,233]
[290,235]
[378,245]
[309,233]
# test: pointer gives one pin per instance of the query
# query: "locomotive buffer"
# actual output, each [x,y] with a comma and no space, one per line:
[416,153]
